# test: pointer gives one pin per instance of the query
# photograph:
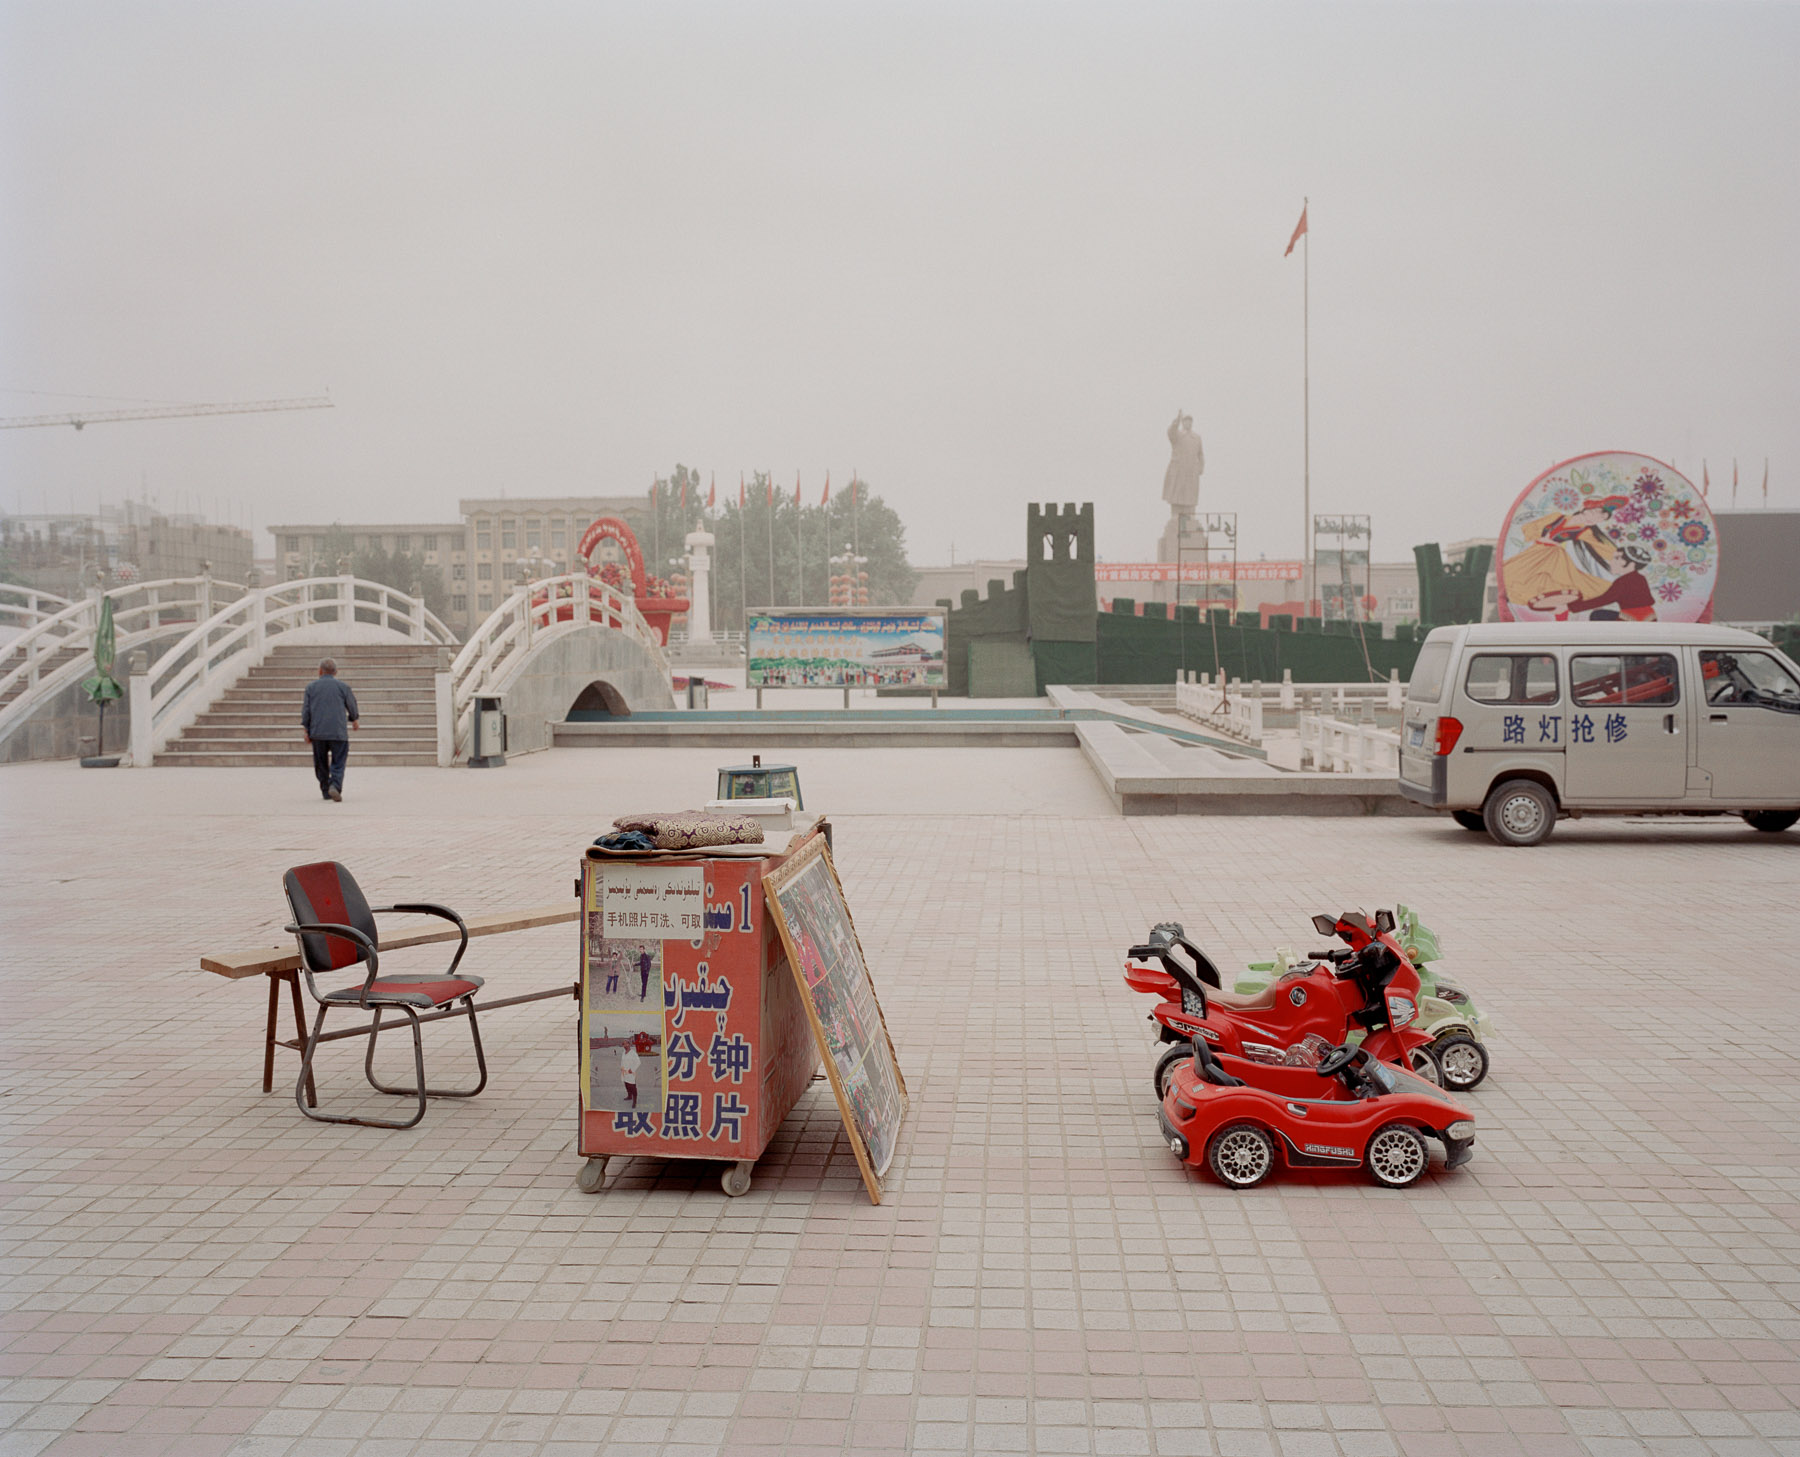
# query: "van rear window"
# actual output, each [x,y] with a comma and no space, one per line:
[1511,678]
[1427,684]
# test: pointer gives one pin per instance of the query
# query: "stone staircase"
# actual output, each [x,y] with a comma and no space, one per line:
[257,721]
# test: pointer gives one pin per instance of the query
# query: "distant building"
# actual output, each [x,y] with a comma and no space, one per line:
[1759,566]
[64,552]
[317,549]
[937,583]
[1262,586]
[481,555]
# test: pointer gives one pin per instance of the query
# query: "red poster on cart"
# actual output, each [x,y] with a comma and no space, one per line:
[670,1014]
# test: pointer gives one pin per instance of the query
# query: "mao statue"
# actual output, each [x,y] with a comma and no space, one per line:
[1181,481]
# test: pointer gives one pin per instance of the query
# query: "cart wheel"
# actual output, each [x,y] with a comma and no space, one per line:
[1171,1059]
[1241,1155]
[734,1179]
[1423,1063]
[592,1176]
[1463,1059]
[1397,1156]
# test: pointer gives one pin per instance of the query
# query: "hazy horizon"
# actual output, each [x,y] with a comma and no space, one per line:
[981,254]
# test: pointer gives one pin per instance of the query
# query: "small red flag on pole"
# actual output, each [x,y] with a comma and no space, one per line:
[827,496]
[740,490]
[771,488]
[1299,230]
[1765,480]
[1705,480]
[712,490]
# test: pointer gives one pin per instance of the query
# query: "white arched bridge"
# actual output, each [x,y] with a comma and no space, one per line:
[223,665]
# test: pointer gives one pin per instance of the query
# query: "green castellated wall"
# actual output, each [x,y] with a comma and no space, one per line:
[1045,627]
[1061,621]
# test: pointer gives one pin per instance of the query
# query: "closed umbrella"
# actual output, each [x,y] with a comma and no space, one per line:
[102,688]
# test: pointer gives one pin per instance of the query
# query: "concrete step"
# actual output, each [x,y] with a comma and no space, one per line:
[272,719]
[381,734]
[276,759]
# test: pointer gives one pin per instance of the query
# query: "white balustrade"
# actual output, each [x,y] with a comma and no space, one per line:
[191,676]
[532,613]
[59,649]
[1232,712]
[1337,745]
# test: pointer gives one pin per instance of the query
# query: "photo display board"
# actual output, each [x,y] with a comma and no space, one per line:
[670,1008]
[806,902]
[819,648]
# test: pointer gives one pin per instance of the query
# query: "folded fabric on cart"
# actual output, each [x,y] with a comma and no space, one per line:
[688,829]
[626,840]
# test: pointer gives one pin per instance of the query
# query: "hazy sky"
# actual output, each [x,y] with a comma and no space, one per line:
[982,252]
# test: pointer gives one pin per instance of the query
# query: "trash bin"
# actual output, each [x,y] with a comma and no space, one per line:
[695,1042]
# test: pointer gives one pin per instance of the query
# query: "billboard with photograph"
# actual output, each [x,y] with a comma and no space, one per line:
[797,647]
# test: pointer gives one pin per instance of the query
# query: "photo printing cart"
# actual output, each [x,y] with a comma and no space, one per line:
[695,1040]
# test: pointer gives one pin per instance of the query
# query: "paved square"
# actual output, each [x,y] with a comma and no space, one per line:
[192,1268]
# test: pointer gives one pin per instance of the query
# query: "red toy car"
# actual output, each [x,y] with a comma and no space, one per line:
[1352,1109]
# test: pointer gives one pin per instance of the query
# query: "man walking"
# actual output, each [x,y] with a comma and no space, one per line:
[327,716]
[628,1070]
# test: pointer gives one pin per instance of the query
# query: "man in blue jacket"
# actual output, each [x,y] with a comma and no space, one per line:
[327,716]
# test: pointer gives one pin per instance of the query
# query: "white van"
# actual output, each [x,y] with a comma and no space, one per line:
[1510,724]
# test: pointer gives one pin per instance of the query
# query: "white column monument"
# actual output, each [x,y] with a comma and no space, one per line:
[699,563]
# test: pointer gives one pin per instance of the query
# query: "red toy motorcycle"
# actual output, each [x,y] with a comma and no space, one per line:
[1366,986]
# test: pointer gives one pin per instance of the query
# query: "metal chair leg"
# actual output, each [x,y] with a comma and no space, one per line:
[302,1086]
[480,1061]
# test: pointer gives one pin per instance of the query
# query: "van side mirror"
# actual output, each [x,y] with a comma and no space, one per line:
[1384,921]
[1325,925]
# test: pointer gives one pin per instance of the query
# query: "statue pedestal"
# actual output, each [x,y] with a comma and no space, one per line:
[1177,545]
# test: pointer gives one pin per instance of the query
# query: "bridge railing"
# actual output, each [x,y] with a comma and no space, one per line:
[59,649]
[23,607]
[551,605]
[215,653]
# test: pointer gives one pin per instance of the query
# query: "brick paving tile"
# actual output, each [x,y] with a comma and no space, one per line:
[189,1267]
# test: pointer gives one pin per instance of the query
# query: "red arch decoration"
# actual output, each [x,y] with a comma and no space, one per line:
[611,528]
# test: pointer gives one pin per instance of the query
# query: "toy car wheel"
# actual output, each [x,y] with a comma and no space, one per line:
[1463,1059]
[1397,1156]
[1241,1155]
[1770,821]
[1469,819]
[1423,1063]
[1172,1058]
[1520,812]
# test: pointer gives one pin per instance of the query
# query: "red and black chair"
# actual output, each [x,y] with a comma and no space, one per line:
[335,927]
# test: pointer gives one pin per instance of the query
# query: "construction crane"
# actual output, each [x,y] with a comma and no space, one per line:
[166,412]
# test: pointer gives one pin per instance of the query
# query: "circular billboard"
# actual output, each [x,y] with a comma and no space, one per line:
[1612,536]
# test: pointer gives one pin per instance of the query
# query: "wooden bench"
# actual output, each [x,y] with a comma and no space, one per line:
[282,964]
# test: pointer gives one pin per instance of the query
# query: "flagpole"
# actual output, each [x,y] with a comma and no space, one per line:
[799,548]
[1306,402]
[743,525]
[769,496]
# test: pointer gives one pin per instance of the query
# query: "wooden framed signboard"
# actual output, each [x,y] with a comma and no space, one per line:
[806,902]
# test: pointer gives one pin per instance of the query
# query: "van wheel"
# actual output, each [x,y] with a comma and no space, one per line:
[1520,812]
[1771,821]
[1469,819]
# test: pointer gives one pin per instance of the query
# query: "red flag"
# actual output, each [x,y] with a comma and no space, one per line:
[1299,229]
[740,490]
[1705,480]
[771,490]
[827,496]
[712,491]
